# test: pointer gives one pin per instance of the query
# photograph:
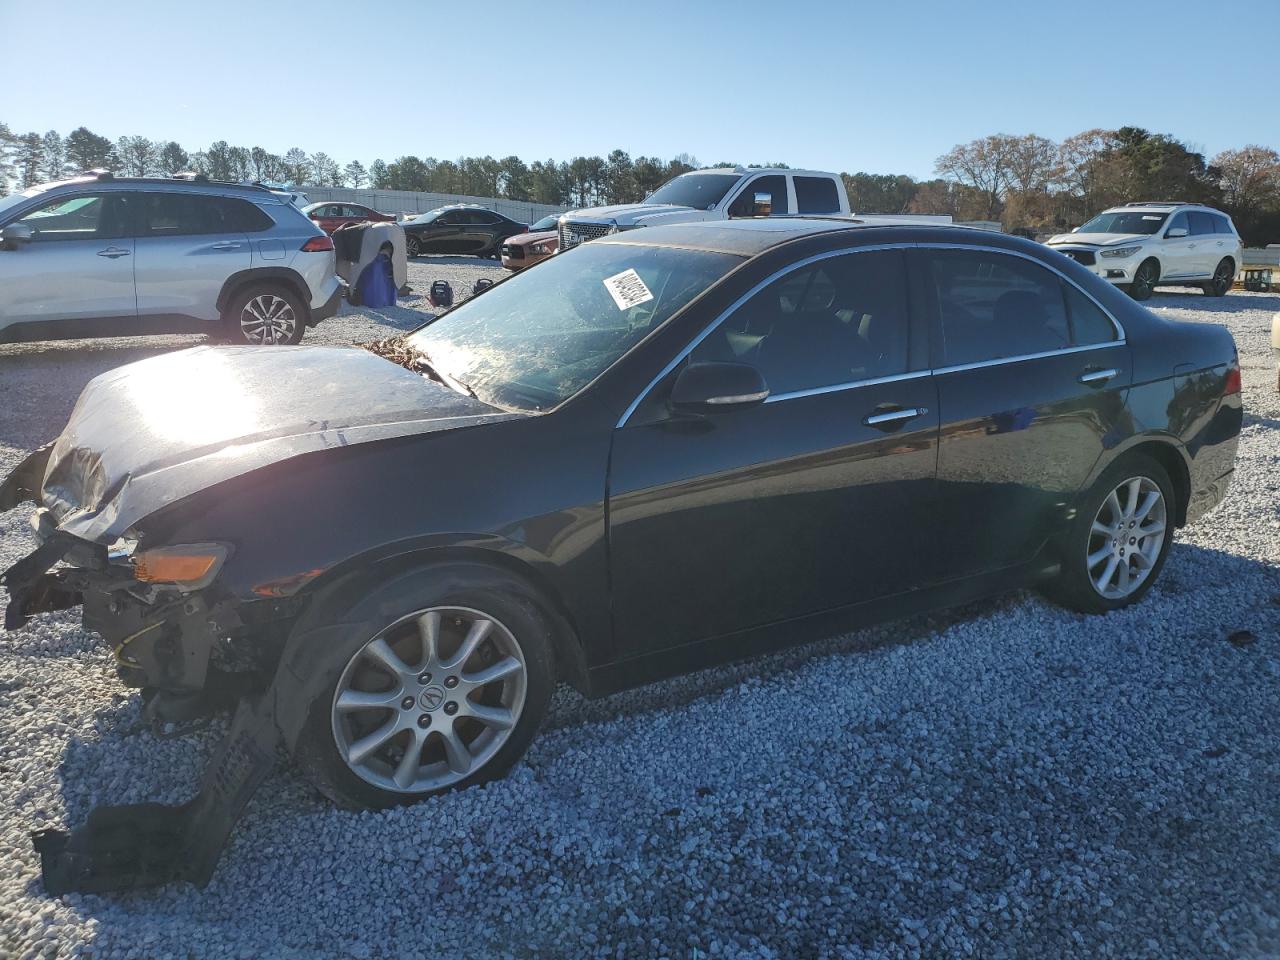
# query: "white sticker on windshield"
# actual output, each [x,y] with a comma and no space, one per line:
[627,289]
[1149,217]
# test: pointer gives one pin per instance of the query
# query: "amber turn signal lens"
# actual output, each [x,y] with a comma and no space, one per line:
[193,564]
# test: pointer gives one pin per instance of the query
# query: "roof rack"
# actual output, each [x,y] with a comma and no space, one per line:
[1163,203]
[192,175]
[97,173]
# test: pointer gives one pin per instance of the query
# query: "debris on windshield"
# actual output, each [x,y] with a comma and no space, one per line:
[397,350]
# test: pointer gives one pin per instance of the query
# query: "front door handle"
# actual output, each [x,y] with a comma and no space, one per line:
[112,253]
[1097,376]
[226,245]
[891,418]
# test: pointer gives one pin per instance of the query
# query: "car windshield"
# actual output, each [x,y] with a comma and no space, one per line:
[1125,221]
[546,223]
[698,190]
[537,338]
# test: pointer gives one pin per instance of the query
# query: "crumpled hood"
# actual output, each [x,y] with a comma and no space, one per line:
[636,214]
[1098,239]
[149,433]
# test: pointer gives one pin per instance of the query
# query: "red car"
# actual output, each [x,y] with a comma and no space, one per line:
[331,216]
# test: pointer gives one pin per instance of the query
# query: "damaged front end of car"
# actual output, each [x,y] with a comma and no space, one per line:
[154,610]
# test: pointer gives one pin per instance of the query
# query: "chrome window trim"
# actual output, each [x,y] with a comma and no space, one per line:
[1121,337]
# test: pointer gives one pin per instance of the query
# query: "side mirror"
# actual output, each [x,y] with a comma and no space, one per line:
[763,205]
[1075,229]
[707,388]
[1174,232]
[15,235]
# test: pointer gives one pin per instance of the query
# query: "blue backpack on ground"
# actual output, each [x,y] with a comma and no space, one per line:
[376,287]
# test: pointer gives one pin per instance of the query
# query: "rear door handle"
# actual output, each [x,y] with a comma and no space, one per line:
[112,252]
[891,417]
[226,245]
[1097,376]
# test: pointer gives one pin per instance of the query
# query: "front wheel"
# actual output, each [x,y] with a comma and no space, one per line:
[1144,280]
[1223,276]
[412,246]
[1119,539]
[446,694]
[265,315]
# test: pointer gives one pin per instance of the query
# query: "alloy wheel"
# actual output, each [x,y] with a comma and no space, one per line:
[268,319]
[1222,278]
[1144,282]
[412,247]
[1126,538]
[429,700]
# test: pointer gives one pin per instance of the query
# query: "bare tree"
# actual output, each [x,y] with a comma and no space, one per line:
[983,164]
[1250,177]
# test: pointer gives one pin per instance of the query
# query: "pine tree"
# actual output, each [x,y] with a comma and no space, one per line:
[54,166]
[30,158]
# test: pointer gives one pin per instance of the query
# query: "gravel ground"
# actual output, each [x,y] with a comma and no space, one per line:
[1008,780]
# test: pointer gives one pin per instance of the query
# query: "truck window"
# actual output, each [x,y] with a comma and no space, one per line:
[816,195]
[775,185]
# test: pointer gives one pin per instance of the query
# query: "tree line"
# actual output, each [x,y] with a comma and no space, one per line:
[1029,183]
[1034,185]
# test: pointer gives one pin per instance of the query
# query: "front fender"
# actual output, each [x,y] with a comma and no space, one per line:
[23,485]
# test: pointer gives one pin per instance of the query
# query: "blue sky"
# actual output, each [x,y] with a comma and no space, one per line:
[882,87]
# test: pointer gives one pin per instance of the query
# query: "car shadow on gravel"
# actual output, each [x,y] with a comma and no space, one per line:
[1187,299]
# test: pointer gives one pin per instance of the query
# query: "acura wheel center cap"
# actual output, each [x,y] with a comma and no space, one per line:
[431,698]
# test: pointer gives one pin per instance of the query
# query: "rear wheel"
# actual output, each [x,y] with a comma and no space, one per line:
[447,694]
[1223,276]
[265,314]
[1119,540]
[1144,280]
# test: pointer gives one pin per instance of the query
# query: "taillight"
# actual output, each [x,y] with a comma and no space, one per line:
[318,245]
[1231,384]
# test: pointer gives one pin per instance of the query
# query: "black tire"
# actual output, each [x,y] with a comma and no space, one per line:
[238,317]
[1144,279]
[1223,276]
[412,247]
[1074,587]
[502,597]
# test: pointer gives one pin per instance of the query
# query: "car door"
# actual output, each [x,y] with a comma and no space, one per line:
[444,234]
[188,245]
[1178,253]
[79,264]
[818,498]
[1032,376]
[1205,246]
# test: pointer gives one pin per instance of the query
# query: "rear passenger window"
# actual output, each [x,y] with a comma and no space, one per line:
[838,321]
[1224,225]
[816,195]
[1088,323]
[1201,223]
[187,214]
[992,306]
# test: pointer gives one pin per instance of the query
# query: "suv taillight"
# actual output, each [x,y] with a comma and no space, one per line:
[318,245]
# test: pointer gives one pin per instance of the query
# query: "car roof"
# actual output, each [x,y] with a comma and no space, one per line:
[101,181]
[750,236]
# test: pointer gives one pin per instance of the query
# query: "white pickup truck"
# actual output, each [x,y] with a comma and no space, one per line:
[715,194]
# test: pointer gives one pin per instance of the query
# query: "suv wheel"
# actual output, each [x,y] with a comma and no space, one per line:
[265,314]
[1223,276]
[440,682]
[1144,279]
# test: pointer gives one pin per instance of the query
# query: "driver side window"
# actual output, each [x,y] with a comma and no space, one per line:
[775,186]
[838,321]
[85,217]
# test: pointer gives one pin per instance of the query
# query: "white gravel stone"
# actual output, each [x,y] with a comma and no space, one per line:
[1004,780]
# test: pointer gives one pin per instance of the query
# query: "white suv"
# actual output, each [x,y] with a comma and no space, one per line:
[1142,245]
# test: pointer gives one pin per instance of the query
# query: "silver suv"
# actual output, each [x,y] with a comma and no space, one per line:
[104,256]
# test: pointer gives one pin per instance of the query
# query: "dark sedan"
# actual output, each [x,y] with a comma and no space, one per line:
[664,449]
[459,229]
